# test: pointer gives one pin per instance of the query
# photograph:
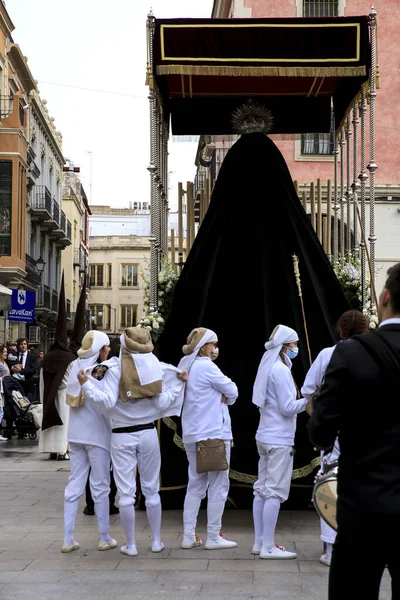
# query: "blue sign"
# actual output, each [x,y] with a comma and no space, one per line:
[22,306]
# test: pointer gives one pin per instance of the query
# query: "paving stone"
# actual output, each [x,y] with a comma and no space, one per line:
[171,564]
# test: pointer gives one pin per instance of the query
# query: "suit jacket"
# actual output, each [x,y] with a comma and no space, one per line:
[360,399]
[29,371]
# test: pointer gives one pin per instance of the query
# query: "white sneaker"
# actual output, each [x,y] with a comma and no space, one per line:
[3,439]
[220,544]
[277,553]
[256,547]
[129,550]
[157,546]
[188,543]
[325,559]
[69,546]
[107,544]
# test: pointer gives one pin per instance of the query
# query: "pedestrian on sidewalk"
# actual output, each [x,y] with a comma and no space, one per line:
[4,371]
[89,436]
[276,395]
[360,400]
[352,322]
[136,390]
[205,416]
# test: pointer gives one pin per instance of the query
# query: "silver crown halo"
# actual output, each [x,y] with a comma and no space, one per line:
[252,117]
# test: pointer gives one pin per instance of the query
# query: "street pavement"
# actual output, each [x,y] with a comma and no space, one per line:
[32,566]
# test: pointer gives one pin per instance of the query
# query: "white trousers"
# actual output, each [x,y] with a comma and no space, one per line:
[131,451]
[82,458]
[275,469]
[216,482]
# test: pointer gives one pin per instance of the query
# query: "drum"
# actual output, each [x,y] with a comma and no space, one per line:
[325,495]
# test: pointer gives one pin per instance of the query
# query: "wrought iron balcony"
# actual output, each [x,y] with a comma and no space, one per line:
[63,222]
[69,230]
[6,106]
[54,300]
[80,260]
[41,202]
[56,211]
[43,297]
[31,268]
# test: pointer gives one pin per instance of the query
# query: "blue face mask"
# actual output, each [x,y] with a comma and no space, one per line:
[292,353]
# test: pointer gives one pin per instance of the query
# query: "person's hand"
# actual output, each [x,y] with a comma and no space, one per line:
[17,368]
[82,377]
[224,399]
[184,376]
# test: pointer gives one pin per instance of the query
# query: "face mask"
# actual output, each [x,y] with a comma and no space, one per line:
[215,354]
[292,353]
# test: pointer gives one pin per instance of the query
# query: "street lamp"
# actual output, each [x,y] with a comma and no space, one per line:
[40,264]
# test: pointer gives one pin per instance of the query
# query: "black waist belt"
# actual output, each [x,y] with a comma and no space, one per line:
[133,428]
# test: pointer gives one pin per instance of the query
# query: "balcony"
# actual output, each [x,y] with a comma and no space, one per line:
[80,260]
[41,204]
[63,234]
[43,298]
[31,269]
[53,225]
[33,170]
[54,301]
[6,106]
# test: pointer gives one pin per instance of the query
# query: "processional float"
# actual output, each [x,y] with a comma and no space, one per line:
[238,277]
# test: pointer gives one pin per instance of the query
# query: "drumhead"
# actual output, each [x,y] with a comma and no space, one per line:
[325,497]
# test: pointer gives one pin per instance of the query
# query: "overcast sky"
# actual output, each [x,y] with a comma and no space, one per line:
[101,45]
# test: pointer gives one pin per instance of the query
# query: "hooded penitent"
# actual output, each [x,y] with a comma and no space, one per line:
[55,364]
[80,323]
[238,280]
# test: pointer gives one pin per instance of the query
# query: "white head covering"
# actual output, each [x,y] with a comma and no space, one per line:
[92,343]
[137,342]
[280,335]
[196,340]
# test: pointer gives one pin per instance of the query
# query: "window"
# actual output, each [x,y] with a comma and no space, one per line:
[109,275]
[5,206]
[128,315]
[96,276]
[320,8]
[129,275]
[100,315]
[319,143]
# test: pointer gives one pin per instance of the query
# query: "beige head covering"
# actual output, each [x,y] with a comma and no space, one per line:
[92,343]
[141,374]
[196,339]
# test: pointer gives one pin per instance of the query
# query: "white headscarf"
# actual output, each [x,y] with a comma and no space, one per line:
[92,343]
[280,336]
[147,365]
[187,360]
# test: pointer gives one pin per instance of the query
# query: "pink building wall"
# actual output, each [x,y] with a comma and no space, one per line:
[387,110]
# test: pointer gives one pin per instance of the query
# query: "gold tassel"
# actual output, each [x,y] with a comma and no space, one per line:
[298,283]
[261,71]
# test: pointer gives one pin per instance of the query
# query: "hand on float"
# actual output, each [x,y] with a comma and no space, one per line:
[82,377]
[183,376]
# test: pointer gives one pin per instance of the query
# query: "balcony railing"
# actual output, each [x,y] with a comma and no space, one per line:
[54,301]
[56,211]
[31,268]
[69,230]
[6,106]
[80,259]
[42,198]
[43,298]
[63,222]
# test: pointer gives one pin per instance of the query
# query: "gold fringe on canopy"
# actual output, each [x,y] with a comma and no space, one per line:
[261,71]
[237,475]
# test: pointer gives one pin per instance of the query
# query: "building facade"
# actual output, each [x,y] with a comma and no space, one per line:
[75,258]
[116,264]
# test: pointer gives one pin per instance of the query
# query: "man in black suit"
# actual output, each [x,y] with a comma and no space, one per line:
[360,399]
[26,369]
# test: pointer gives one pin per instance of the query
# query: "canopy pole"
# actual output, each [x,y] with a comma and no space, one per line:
[355,184]
[342,198]
[150,24]
[372,164]
[363,178]
[348,187]
[335,200]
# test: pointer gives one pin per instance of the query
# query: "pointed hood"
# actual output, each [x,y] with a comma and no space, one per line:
[61,336]
[80,324]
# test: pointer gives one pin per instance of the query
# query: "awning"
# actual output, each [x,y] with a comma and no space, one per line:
[206,68]
[5,290]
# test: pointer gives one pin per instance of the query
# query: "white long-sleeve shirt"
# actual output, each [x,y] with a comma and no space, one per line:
[279,414]
[204,416]
[105,395]
[87,426]
[313,380]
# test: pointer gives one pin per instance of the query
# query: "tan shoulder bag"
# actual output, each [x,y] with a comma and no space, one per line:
[211,456]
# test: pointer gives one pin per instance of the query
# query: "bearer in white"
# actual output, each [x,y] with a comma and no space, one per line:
[275,394]
[205,415]
[89,436]
[136,391]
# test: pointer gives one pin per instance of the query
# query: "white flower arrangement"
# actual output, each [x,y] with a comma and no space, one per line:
[348,272]
[167,278]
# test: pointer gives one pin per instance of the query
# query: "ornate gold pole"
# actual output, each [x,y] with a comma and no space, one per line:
[355,184]
[335,201]
[372,164]
[348,188]
[342,198]
[298,282]
[363,178]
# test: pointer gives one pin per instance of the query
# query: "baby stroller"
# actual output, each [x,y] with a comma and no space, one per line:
[18,413]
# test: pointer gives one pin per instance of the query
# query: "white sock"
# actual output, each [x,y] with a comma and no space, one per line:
[270,517]
[70,511]
[258,509]
[127,516]
[102,510]
[215,510]
[154,519]
[191,509]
